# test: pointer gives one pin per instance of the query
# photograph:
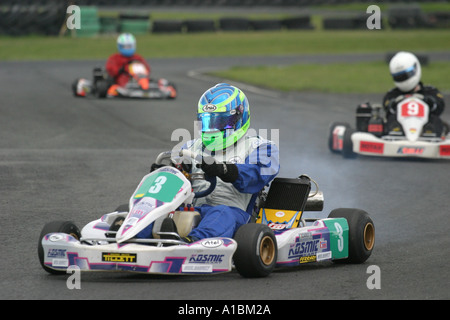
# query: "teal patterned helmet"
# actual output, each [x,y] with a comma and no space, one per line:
[126,44]
[224,113]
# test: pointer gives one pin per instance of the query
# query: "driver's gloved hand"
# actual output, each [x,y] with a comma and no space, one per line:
[155,166]
[227,172]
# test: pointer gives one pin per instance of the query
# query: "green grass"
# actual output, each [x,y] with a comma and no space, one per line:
[218,44]
[366,77]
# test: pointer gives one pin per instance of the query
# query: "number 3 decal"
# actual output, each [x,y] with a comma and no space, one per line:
[158,184]
[340,231]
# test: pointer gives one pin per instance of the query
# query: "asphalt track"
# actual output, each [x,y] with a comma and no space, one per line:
[75,159]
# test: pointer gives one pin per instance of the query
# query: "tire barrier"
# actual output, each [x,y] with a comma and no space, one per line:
[200,25]
[20,20]
[296,23]
[167,26]
[234,24]
[345,23]
[408,17]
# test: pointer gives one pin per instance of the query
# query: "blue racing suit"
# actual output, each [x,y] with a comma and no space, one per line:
[231,204]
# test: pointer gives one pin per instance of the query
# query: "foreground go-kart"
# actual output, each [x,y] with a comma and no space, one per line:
[278,235]
[412,134]
[139,85]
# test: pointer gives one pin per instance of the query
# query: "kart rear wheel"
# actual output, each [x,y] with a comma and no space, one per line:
[257,250]
[56,226]
[101,88]
[361,234]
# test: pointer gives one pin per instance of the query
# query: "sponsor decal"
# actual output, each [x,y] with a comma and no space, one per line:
[119,257]
[305,248]
[56,253]
[444,150]
[307,259]
[277,226]
[206,258]
[193,267]
[372,147]
[209,108]
[60,263]
[212,243]
[56,237]
[324,255]
[410,150]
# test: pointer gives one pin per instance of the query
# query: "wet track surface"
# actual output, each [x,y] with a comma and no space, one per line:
[63,158]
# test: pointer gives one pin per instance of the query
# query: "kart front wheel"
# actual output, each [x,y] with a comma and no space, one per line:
[361,234]
[56,226]
[257,250]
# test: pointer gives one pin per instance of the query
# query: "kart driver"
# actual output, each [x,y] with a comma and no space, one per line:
[117,63]
[406,72]
[243,164]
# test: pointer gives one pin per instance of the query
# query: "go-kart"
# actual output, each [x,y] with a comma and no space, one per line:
[409,134]
[140,85]
[278,236]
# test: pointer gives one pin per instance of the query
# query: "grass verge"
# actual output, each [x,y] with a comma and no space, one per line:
[365,77]
[219,44]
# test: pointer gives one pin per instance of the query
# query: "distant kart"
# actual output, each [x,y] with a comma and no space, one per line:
[411,136]
[278,236]
[139,85]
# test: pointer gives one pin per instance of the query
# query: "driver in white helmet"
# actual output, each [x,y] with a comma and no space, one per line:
[406,72]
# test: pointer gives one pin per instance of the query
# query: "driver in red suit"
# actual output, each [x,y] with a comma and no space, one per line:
[117,63]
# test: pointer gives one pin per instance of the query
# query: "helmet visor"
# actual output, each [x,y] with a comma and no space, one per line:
[405,74]
[218,121]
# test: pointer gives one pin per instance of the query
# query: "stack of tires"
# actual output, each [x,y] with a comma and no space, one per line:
[20,20]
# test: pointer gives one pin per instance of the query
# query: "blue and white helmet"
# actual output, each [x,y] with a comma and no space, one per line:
[126,44]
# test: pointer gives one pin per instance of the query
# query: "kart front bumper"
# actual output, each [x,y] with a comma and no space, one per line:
[207,256]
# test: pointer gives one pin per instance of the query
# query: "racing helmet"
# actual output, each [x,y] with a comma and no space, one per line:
[126,44]
[405,70]
[224,115]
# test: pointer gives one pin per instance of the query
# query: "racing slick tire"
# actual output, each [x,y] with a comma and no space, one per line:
[361,234]
[330,135]
[257,250]
[56,226]
[347,147]
[101,88]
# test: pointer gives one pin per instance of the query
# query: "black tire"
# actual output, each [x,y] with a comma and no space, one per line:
[56,226]
[101,88]
[361,234]
[347,149]
[256,254]
[330,134]
[74,88]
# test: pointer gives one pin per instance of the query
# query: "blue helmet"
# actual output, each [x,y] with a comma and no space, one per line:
[126,44]
[224,113]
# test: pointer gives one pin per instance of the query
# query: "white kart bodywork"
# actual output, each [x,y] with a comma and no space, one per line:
[412,114]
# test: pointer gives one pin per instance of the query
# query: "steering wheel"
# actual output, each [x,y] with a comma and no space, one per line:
[190,155]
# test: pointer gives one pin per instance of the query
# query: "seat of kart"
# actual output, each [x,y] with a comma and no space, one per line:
[288,194]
